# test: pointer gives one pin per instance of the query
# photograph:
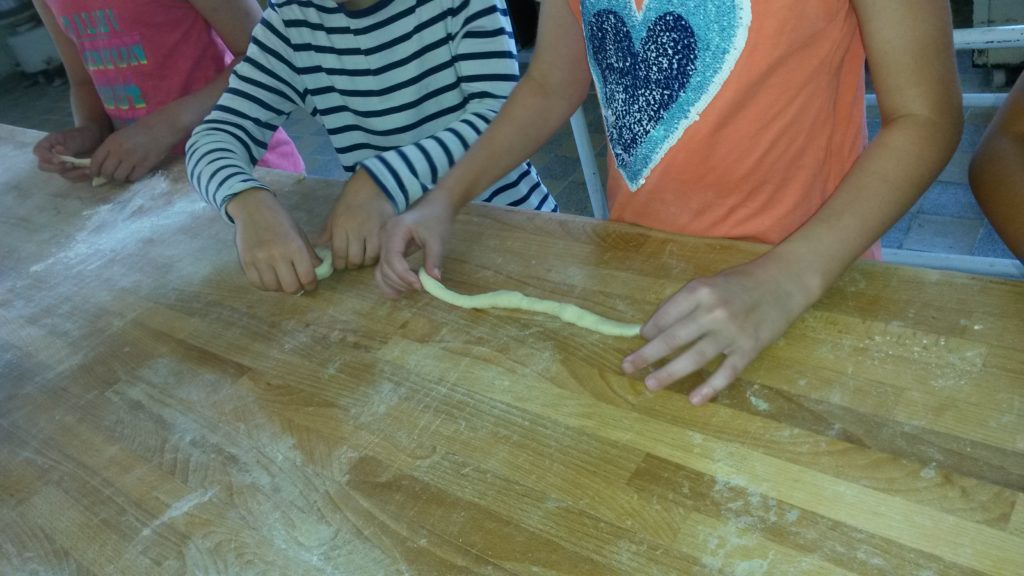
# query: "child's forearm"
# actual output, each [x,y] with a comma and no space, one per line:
[181,117]
[216,148]
[910,53]
[233,21]
[997,178]
[532,114]
[886,180]
[88,110]
[997,171]
[555,85]
[247,201]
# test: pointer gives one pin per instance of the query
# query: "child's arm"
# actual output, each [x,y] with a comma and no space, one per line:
[742,310]
[222,152]
[92,125]
[485,61]
[134,151]
[554,86]
[997,171]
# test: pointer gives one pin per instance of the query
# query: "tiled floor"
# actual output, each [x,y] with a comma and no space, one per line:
[945,221]
[31,104]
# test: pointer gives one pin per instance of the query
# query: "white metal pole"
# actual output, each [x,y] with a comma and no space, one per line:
[985,38]
[588,163]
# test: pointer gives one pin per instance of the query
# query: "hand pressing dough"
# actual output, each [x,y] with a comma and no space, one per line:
[517,301]
[326,267]
[83,163]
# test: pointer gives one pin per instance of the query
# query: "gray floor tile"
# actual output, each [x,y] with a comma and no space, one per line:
[568,147]
[555,143]
[990,245]
[942,235]
[951,200]
[874,125]
[956,170]
[972,137]
[980,116]
[558,167]
[50,126]
[572,197]
[894,237]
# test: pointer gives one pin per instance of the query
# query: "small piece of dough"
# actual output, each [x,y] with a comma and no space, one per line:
[326,267]
[83,163]
[512,300]
[76,162]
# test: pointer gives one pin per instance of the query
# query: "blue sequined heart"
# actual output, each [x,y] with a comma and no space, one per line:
[657,69]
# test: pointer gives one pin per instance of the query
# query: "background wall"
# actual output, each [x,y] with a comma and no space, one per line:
[7,63]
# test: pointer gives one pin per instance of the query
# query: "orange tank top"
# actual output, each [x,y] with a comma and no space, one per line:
[726,118]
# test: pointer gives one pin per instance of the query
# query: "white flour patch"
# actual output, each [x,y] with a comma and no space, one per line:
[179,508]
[383,396]
[745,514]
[758,404]
[142,211]
[928,472]
[721,545]
[872,558]
[752,567]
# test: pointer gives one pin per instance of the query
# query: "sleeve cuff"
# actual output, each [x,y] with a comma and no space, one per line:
[234,189]
[386,182]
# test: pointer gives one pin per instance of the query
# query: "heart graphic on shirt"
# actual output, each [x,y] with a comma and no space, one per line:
[657,69]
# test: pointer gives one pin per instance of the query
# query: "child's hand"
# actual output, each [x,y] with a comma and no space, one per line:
[353,228]
[425,226]
[274,253]
[78,142]
[134,151]
[737,312]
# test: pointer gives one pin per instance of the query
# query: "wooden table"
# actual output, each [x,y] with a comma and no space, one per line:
[159,416]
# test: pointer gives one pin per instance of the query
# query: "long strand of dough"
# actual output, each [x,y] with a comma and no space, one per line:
[83,163]
[512,300]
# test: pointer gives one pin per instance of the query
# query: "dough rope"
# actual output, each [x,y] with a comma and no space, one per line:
[512,300]
[83,163]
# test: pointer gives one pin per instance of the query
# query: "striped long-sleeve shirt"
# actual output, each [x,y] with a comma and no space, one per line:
[403,87]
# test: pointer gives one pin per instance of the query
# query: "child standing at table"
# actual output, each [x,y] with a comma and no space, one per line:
[997,171]
[403,89]
[728,118]
[143,74]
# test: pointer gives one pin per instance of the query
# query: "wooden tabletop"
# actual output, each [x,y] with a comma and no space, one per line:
[159,416]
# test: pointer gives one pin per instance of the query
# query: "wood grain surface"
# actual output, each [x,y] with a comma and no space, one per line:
[159,416]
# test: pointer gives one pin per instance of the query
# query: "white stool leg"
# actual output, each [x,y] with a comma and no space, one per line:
[591,176]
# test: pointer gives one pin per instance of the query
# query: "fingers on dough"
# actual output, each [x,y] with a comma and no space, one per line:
[83,163]
[326,267]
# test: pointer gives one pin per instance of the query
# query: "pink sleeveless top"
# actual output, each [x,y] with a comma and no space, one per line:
[144,54]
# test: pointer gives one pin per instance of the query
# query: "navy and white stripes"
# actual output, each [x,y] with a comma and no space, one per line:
[403,88]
